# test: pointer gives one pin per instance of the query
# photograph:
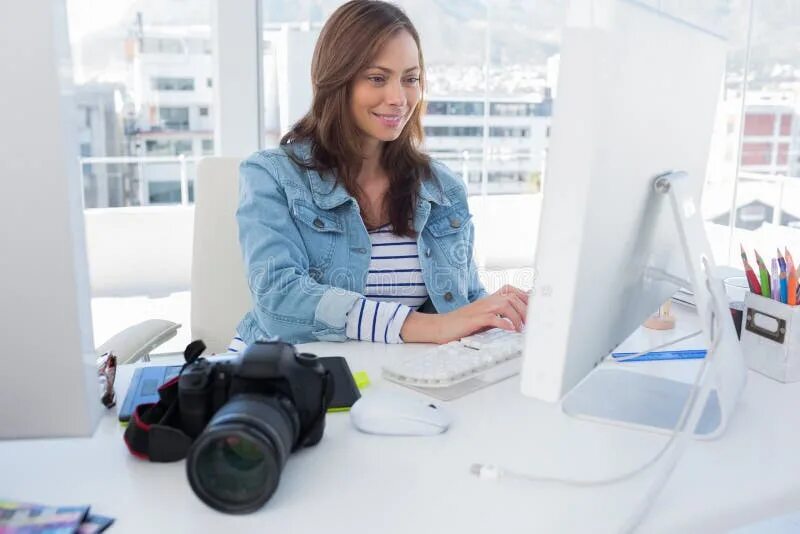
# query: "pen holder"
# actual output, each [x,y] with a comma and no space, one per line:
[771,338]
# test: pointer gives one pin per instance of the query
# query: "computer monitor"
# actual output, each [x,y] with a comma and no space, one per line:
[637,96]
[48,373]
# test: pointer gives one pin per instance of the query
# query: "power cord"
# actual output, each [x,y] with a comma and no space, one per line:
[689,414]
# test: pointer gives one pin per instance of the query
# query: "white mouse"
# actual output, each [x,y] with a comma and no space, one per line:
[397,414]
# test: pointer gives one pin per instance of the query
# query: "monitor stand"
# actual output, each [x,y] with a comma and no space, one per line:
[632,399]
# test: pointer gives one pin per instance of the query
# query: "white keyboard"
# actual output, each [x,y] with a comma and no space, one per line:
[458,361]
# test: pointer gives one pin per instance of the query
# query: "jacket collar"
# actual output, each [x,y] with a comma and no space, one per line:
[329,193]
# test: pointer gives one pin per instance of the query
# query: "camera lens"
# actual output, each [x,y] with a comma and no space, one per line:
[235,465]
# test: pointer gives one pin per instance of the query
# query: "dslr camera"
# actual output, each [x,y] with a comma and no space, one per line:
[246,416]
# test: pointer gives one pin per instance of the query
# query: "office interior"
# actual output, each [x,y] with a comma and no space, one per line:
[113,112]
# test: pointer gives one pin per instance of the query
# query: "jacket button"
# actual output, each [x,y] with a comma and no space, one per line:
[428,253]
[455,223]
[318,223]
[448,296]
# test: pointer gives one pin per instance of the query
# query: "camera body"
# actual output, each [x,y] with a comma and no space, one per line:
[245,417]
[270,368]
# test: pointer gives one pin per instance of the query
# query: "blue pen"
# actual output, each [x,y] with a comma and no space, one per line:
[691,354]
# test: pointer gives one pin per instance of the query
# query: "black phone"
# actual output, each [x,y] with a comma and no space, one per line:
[345,390]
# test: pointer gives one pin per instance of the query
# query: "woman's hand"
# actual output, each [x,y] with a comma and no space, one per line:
[504,309]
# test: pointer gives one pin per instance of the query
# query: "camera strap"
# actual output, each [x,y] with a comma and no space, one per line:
[154,432]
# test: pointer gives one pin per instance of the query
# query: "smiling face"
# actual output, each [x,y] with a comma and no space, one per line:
[385,94]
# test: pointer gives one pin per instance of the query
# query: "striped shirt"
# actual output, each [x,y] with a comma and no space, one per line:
[393,289]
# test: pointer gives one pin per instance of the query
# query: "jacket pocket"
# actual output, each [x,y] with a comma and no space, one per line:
[320,231]
[452,234]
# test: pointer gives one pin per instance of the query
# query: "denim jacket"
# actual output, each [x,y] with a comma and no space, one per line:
[307,252]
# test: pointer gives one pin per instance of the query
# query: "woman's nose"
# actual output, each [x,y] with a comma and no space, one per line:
[395,95]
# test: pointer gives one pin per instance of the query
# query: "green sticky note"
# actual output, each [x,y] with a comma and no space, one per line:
[361,378]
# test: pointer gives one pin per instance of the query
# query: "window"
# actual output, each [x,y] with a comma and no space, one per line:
[495,131]
[203,111]
[786,124]
[152,60]
[756,153]
[183,147]
[154,147]
[455,108]
[454,131]
[174,118]
[783,154]
[437,108]
[168,147]
[155,45]
[505,55]
[208,147]
[167,192]
[512,109]
[172,84]
[759,124]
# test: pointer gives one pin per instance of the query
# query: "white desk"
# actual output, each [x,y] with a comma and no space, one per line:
[352,482]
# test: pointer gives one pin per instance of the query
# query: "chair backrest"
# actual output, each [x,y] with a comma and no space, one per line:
[220,295]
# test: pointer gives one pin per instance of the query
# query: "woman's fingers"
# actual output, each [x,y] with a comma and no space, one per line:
[508,289]
[520,306]
[499,322]
[522,295]
[510,312]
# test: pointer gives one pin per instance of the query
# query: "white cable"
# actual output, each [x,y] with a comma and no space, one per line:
[689,414]
[693,416]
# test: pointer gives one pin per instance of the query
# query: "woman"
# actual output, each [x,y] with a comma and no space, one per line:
[347,229]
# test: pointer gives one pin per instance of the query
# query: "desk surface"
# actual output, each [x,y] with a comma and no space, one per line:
[353,482]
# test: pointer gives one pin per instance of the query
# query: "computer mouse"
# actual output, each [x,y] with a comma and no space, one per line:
[398,414]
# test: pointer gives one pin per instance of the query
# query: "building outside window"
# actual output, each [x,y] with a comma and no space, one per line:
[174,118]
[172,84]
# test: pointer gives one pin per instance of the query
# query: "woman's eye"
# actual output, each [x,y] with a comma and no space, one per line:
[375,79]
[413,81]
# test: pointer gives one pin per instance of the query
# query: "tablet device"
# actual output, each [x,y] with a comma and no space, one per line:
[146,381]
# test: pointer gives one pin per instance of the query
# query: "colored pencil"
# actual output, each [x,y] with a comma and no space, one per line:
[791,276]
[752,279]
[781,261]
[763,273]
[775,284]
[784,288]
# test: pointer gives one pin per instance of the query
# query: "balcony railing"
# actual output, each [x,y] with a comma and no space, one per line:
[121,181]
[141,181]
[157,180]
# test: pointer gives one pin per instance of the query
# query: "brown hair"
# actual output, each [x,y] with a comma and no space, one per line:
[350,39]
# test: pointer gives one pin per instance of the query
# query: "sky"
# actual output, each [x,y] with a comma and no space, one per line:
[88,16]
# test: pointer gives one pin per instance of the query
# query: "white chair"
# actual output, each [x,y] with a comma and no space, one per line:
[219,293]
